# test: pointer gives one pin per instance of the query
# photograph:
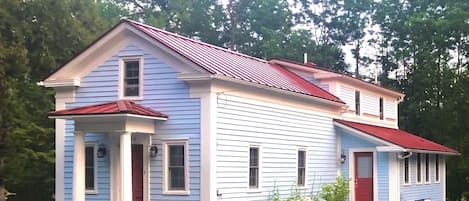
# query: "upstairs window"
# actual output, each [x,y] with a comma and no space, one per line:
[301,168]
[254,167]
[381,108]
[132,77]
[357,102]
[90,168]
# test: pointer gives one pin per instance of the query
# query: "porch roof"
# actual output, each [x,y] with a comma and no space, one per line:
[110,108]
[398,137]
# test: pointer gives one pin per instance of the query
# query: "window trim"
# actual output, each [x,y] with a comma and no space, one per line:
[121,90]
[427,171]
[358,103]
[259,167]
[437,160]
[95,168]
[409,171]
[419,160]
[306,167]
[166,144]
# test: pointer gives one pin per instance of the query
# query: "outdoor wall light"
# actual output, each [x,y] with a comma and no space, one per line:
[342,158]
[101,151]
[153,151]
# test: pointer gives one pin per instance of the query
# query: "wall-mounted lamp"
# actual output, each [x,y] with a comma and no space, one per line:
[342,158]
[153,151]
[101,151]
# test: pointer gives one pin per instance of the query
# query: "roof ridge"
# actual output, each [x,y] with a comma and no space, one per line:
[197,41]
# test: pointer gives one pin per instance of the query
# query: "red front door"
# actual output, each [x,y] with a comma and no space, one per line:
[363,176]
[137,172]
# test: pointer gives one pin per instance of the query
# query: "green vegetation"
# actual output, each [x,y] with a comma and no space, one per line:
[421,49]
[337,191]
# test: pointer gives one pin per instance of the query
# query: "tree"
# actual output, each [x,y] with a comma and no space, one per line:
[35,41]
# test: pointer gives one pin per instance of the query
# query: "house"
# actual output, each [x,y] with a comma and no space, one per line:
[143,114]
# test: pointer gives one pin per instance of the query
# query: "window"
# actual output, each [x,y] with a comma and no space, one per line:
[406,171]
[301,167]
[427,168]
[90,168]
[437,168]
[254,167]
[419,168]
[357,102]
[132,80]
[381,108]
[176,168]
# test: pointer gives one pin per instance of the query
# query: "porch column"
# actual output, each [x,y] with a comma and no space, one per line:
[126,166]
[79,167]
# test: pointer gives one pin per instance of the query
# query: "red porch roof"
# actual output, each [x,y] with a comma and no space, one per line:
[115,107]
[397,137]
[220,61]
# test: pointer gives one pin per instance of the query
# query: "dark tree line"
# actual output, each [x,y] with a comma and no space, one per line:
[421,48]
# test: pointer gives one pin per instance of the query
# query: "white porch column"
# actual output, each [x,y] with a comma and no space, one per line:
[126,166]
[79,167]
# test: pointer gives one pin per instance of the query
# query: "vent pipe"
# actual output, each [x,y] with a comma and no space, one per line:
[305,57]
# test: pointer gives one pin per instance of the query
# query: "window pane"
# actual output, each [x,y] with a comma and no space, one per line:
[419,168]
[177,178]
[357,102]
[89,167]
[381,108]
[427,167]
[406,170]
[131,78]
[365,166]
[253,176]
[301,158]
[176,155]
[253,157]
[437,167]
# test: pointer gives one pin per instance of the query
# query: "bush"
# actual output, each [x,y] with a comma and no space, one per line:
[337,191]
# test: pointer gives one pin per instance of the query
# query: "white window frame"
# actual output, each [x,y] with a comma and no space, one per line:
[409,171]
[306,167]
[259,174]
[425,169]
[166,145]
[437,163]
[95,168]
[417,161]
[121,90]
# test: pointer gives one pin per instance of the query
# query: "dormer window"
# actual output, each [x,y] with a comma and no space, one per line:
[131,77]
[357,102]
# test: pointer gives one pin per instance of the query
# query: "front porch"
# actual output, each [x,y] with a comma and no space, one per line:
[124,129]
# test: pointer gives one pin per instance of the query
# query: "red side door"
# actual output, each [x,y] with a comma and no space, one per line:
[137,172]
[363,176]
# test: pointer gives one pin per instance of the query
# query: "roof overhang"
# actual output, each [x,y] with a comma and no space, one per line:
[82,116]
[386,146]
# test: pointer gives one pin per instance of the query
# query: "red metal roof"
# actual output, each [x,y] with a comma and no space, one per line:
[220,61]
[397,137]
[115,107]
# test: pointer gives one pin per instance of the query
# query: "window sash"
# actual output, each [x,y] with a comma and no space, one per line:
[437,168]
[406,171]
[301,168]
[253,167]
[357,102]
[131,77]
[427,168]
[176,167]
[90,167]
[381,108]
[419,168]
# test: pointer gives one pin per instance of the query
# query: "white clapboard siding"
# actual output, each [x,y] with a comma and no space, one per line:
[347,94]
[390,109]
[279,131]
[369,103]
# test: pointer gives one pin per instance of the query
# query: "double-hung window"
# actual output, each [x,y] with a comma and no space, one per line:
[427,168]
[176,168]
[437,168]
[301,177]
[419,168]
[381,108]
[406,171]
[253,167]
[357,102]
[90,168]
[131,77]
